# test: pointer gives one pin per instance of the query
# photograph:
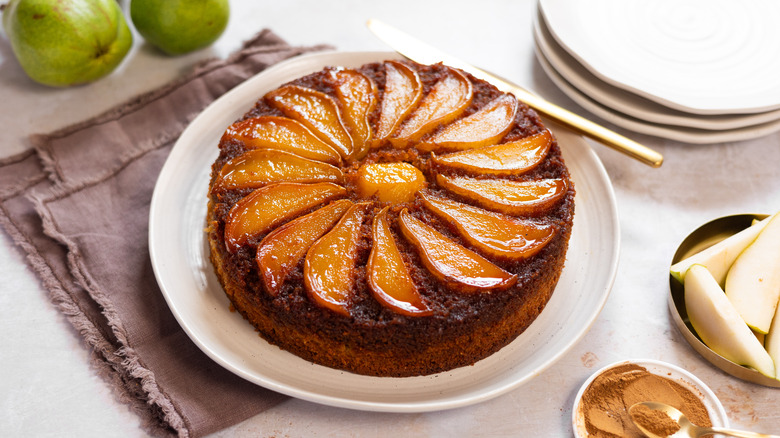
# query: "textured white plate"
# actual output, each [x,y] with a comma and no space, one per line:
[678,133]
[663,369]
[179,256]
[632,104]
[698,56]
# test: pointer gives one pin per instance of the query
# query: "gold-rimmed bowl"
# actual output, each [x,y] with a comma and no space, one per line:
[701,238]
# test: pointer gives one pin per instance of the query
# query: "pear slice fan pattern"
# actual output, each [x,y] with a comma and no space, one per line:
[355,209]
[301,161]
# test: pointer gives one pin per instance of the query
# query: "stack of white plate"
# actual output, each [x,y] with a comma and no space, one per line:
[696,71]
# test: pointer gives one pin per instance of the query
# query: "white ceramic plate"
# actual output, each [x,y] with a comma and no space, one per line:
[179,256]
[698,56]
[678,133]
[663,369]
[632,104]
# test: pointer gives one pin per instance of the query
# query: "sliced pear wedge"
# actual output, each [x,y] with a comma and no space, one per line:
[272,205]
[283,248]
[271,132]
[517,198]
[256,168]
[403,91]
[753,281]
[485,127]
[329,264]
[719,324]
[387,275]
[358,96]
[513,158]
[317,111]
[772,342]
[447,100]
[450,262]
[719,257]
[491,233]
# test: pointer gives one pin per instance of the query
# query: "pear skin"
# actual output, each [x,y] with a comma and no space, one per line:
[772,342]
[719,324]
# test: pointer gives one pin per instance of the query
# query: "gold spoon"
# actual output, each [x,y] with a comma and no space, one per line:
[687,429]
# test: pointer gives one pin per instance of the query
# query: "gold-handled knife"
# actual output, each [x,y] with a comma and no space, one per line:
[423,53]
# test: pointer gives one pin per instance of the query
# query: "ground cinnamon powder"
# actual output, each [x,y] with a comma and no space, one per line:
[606,400]
[654,421]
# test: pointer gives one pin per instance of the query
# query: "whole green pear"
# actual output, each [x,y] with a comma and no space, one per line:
[67,42]
[180,26]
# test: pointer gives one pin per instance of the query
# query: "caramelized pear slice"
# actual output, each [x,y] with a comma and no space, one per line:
[271,132]
[269,206]
[283,248]
[450,262]
[331,260]
[358,96]
[317,111]
[517,198]
[259,167]
[492,233]
[387,274]
[403,90]
[485,127]
[511,158]
[389,182]
[448,98]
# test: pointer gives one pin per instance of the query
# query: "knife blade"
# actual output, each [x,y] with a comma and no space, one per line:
[423,53]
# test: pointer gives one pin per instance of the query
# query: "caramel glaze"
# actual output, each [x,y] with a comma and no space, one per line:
[374,340]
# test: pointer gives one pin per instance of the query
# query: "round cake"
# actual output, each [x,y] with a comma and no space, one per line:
[390,220]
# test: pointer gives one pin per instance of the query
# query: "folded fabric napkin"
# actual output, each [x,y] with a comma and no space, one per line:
[77,204]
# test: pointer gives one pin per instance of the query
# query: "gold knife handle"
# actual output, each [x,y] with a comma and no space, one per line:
[590,129]
[576,123]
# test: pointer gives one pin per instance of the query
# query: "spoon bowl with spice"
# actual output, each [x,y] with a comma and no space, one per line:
[602,403]
[659,420]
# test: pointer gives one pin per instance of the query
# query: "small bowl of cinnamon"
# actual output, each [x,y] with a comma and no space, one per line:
[602,403]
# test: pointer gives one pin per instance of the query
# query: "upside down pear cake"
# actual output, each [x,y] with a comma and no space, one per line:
[390,220]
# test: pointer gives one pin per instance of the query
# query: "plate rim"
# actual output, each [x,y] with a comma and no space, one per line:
[678,133]
[598,68]
[630,103]
[160,263]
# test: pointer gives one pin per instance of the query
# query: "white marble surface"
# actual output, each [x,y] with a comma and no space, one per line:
[48,389]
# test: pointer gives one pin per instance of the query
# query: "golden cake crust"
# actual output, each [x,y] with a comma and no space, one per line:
[462,328]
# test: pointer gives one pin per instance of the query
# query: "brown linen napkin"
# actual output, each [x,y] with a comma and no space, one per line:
[78,206]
